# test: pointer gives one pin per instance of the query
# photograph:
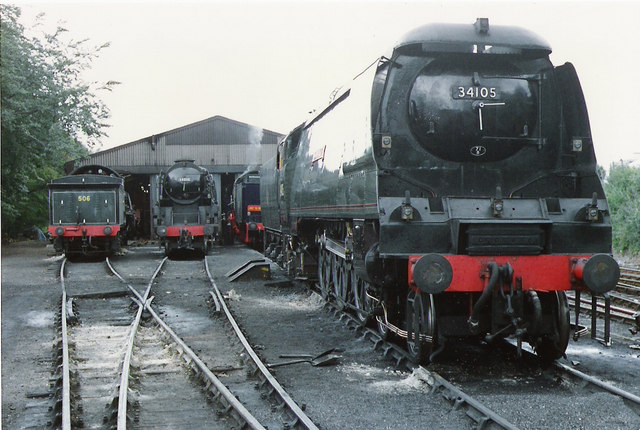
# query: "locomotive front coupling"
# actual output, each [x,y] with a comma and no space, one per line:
[502,274]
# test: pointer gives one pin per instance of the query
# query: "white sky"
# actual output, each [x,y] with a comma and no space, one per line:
[269,63]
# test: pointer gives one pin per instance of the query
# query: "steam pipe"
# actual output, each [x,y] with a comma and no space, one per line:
[474,321]
[536,319]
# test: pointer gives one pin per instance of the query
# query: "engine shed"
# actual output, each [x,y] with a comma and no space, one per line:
[225,147]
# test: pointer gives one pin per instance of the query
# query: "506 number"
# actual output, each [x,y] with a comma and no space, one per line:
[84,198]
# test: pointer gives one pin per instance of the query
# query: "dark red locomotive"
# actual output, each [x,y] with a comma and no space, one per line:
[89,211]
[450,191]
[245,218]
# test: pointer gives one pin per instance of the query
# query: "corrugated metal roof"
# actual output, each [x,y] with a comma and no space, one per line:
[214,141]
[220,130]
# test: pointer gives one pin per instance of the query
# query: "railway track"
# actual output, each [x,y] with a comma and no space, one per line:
[481,415]
[482,407]
[147,373]
[629,281]
[92,329]
[155,364]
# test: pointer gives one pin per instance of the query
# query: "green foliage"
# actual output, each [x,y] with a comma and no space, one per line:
[48,113]
[623,194]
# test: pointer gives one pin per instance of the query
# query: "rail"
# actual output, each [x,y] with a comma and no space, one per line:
[226,397]
[66,374]
[483,416]
[600,384]
[126,364]
[242,412]
[301,418]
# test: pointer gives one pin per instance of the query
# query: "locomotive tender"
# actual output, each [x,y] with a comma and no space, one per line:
[187,211]
[451,191]
[89,211]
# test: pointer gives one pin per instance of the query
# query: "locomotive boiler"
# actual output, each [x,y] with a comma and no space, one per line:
[449,191]
[187,211]
[89,212]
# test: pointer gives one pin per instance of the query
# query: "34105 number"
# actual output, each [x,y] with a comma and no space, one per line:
[475,93]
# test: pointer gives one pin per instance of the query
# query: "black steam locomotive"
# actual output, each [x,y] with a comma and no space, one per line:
[187,210]
[89,211]
[245,217]
[451,191]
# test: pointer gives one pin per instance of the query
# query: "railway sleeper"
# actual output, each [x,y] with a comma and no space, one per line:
[458,402]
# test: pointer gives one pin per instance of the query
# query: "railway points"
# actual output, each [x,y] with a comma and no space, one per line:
[123,360]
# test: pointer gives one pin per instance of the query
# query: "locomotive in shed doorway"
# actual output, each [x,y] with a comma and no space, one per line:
[187,212]
[450,191]
[245,218]
[89,212]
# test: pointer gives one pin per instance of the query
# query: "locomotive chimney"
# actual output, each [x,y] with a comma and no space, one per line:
[482,25]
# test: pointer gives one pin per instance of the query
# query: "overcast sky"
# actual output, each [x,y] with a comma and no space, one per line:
[269,63]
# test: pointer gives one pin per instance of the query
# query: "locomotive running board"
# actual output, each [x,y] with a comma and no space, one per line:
[336,248]
[252,269]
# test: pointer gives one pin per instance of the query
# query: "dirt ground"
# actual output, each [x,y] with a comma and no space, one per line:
[364,381]
[30,299]
[278,318]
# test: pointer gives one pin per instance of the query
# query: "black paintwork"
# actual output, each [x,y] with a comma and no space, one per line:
[403,128]
[246,192]
[90,195]
[465,141]
[187,198]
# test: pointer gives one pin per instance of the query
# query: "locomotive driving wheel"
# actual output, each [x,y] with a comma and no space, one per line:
[324,272]
[552,346]
[359,296]
[421,326]
[340,282]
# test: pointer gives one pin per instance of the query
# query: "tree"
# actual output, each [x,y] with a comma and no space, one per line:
[623,194]
[48,113]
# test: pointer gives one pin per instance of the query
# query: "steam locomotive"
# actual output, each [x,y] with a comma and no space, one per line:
[89,212]
[187,210]
[450,191]
[245,218]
